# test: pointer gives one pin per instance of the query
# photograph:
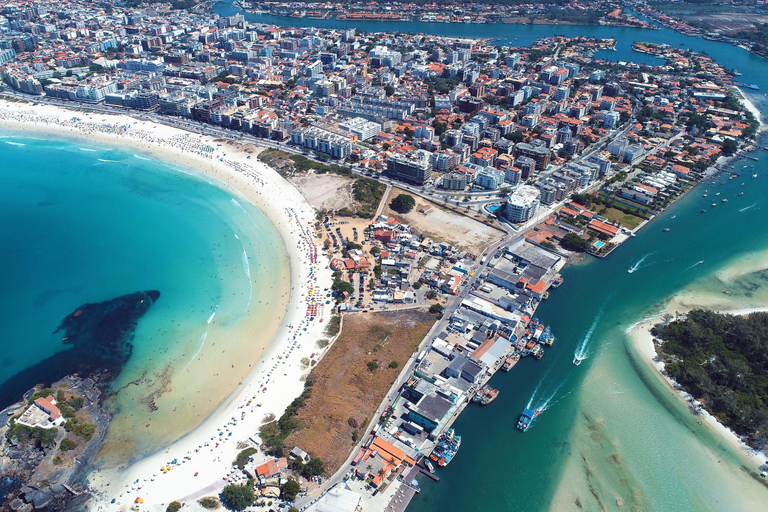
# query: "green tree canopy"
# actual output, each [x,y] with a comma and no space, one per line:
[237,497]
[291,489]
[403,203]
[573,242]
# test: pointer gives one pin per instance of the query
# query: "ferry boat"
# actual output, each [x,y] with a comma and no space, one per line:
[524,423]
[577,360]
[446,449]
[510,362]
[490,395]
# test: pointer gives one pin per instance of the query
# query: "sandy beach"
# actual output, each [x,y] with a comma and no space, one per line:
[642,341]
[275,377]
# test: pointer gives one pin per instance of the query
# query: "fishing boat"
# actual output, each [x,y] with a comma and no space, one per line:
[479,395]
[510,362]
[577,360]
[558,281]
[537,352]
[490,395]
[524,423]
[446,449]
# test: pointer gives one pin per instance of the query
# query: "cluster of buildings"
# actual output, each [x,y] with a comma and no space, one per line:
[605,12]
[481,334]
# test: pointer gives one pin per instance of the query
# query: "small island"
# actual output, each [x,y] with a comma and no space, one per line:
[722,360]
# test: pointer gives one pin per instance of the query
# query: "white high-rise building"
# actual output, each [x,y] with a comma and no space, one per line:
[522,204]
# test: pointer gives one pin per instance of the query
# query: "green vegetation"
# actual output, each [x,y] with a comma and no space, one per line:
[431,295]
[173,506]
[573,242]
[83,430]
[312,468]
[722,360]
[56,461]
[395,364]
[403,203]
[41,394]
[238,497]
[209,502]
[243,457]
[341,286]
[368,194]
[373,366]
[38,437]
[437,309]
[332,329]
[627,220]
[274,434]
[67,444]
[69,407]
[290,489]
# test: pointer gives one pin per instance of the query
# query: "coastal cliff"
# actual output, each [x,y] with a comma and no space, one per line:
[49,438]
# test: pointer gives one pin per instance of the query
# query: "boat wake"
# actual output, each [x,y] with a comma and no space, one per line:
[89,150]
[582,349]
[14,143]
[639,263]
[748,207]
[694,265]
[109,161]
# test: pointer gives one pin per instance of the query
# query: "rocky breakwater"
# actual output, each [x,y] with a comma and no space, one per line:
[49,438]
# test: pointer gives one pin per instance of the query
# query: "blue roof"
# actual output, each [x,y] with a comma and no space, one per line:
[528,413]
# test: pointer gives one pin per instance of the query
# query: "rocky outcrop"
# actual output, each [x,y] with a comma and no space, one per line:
[43,478]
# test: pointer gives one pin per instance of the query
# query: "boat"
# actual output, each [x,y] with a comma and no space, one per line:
[510,362]
[666,230]
[577,360]
[726,292]
[430,466]
[479,395]
[446,449]
[524,423]
[754,176]
[700,262]
[631,269]
[703,211]
[537,352]
[558,281]
[490,395]
[724,200]
[672,217]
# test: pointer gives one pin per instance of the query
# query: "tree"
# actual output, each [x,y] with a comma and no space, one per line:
[431,295]
[237,497]
[436,309]
[173,506]
[573,242]
[243,457]
[730,146]
[67,444]
[403,203]
[389,90]
[290,489]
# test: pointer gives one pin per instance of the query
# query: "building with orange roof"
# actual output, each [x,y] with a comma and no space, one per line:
[603,227]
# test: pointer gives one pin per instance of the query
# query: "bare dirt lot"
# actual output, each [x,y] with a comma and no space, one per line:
[442,225]
[348,387]
[325,191]
[726,22]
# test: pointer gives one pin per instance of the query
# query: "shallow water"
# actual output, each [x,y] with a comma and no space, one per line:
[87,224]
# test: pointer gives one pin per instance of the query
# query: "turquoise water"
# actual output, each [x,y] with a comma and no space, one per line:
[610,437]
[87,224]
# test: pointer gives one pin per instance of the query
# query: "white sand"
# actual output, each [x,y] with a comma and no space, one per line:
[275,379]
[752,108]
[642,339]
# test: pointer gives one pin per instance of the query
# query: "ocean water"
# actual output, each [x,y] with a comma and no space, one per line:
[84,224]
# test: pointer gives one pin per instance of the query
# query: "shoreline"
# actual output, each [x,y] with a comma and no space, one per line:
[229,168]
[642,342]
